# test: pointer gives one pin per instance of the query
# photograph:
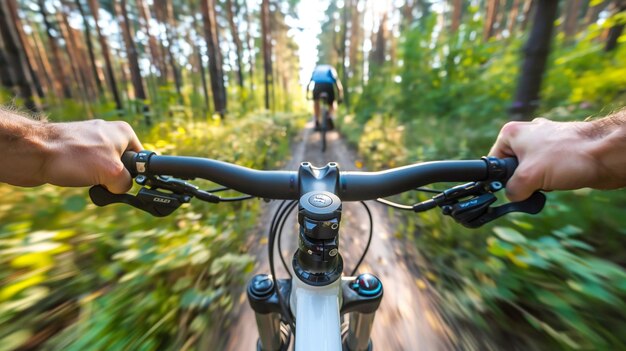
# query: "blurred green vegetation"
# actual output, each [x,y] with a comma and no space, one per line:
[78,277]
[551,281]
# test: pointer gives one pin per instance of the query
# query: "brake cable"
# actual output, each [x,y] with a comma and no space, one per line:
[369,239]
[286,213]
[271,240]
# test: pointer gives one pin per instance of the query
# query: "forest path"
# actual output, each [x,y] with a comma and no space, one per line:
[407,319]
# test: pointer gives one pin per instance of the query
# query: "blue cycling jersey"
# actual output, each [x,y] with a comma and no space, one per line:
[324,74]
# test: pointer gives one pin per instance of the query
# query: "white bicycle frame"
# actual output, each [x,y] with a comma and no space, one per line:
[318,325]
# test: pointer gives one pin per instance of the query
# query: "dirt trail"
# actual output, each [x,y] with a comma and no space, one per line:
[407,319]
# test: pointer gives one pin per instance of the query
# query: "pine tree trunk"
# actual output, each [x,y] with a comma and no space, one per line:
[104,47]
[528,8]
[235,34]
[205,89]
[593,12]
[78,65]
[266,44]
[571,19]
[512,21]
[616,31]
[92,56]
[344,55]
[144,15]
[356,40]
[44,62]
[61,75]
[131,51]
[251,52]
[490,18]
[7,78]
[216,69]
[457,12]
[30,63]
[15,57]
[536,54]
[378,54]
[166,16]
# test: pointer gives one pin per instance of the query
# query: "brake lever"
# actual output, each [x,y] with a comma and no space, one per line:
[476,212]
[157,203]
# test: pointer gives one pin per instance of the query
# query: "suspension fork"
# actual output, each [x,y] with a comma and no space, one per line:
[263,299]
[361,298]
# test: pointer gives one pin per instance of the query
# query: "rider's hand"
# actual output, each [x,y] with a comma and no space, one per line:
[562,155]
[88,153]
[66,154]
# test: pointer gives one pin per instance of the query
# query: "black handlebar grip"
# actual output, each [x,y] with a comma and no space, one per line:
[128,159]
[510,164]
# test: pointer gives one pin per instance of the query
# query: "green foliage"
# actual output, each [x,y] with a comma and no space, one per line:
[89,278]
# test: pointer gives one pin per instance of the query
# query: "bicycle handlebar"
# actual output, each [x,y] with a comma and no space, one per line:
[353,186]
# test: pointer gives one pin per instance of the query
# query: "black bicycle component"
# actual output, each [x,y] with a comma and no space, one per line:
[320,191]
[351,186]
[158,204]
[317,260]
[533,205]
[361,294]
[263,297]
[313,271]
[361,298]
[469,204]
[319,215]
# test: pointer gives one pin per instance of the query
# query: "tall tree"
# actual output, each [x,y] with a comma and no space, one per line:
[512,21]
[345,64]
[7,76]
[380,44]
[155,55]
[104,47]
[616,30]
[526,11]
[356,44]
[235,34]
[490,18]
[593,11]
[165,14]
[57,62]
[198,54]
[88,40]
[216,69]
[266,47]
[536,53]
[15,56]
[572,15]
[457,12]
[78,63]
[30,62]
[131,51]
[249,43]
[44,62]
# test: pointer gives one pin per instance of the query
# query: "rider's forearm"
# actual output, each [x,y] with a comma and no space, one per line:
[607,142]
[24,143]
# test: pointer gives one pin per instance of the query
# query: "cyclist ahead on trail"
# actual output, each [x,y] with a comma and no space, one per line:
[326,80]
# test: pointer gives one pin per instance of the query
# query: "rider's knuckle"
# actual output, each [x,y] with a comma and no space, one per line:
[112,169]
[510,129]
